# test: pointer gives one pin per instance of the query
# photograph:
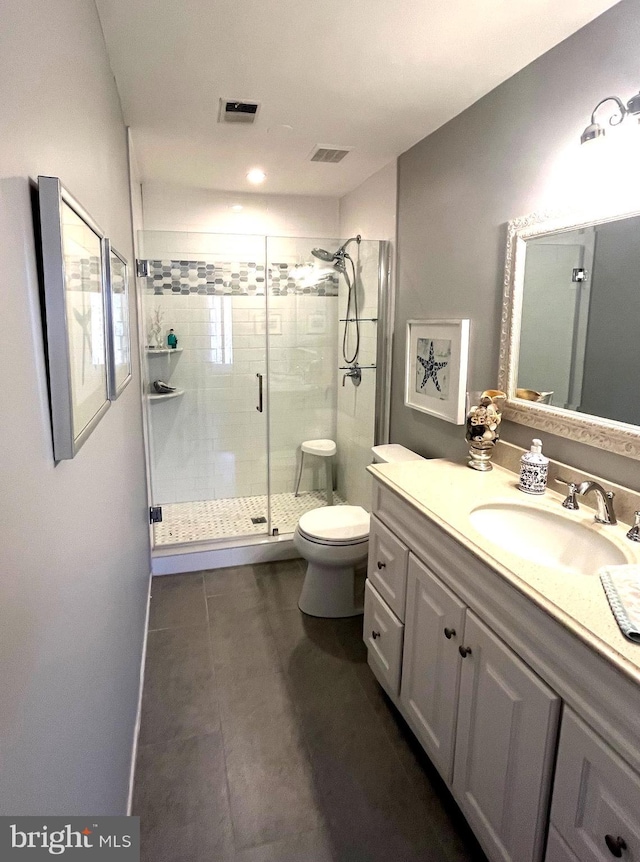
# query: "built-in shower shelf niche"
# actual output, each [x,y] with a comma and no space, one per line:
[160,351]
[165,396]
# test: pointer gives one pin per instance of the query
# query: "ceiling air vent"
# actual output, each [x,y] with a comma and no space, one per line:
[238,111]
[330,155]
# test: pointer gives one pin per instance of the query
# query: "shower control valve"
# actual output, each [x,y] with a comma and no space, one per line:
[354,373]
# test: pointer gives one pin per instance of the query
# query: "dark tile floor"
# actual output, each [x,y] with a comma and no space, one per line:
[265,737]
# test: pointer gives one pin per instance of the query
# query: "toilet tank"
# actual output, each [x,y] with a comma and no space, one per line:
[390,453]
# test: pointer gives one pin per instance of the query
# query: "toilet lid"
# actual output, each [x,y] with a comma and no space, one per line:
[337,524]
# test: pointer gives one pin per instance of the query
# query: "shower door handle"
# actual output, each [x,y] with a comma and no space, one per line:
[259,407]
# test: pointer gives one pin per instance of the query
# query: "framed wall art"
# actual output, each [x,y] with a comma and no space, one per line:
[117,320]
[74,299]
[436,368]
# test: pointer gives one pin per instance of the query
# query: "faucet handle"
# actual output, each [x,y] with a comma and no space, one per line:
[634,532]
[570,501]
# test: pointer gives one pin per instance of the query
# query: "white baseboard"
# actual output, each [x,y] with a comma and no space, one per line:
[136,731]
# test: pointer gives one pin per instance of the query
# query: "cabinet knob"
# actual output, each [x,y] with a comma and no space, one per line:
[464,651]
[449,633]
[375,634]
[382,565]
[615,845]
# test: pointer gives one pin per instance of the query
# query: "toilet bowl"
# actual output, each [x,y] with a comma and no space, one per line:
[334,540]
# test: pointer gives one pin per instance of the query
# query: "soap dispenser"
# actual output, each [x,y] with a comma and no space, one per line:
[533,470]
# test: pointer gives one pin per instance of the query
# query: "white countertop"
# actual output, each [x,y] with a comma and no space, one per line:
[446,492]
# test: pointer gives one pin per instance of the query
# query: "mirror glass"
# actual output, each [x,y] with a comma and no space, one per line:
[579,335]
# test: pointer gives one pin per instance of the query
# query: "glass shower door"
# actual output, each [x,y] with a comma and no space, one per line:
[207,425]
[323,368]
[302,316]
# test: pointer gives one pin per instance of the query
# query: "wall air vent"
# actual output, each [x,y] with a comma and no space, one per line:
[238,111]
[330,155]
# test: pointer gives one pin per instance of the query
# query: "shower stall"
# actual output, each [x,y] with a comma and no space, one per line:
[243,361]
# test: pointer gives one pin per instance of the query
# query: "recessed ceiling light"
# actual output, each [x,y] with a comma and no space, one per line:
[237,208]
[256,176]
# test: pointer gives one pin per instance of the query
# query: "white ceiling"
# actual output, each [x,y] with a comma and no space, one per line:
[377,76]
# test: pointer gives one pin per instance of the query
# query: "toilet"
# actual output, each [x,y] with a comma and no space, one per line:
[334,541]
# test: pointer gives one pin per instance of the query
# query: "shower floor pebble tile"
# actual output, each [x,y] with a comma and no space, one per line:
[208,520]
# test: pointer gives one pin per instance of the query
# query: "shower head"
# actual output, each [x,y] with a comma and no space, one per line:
[322,254]
[335,257]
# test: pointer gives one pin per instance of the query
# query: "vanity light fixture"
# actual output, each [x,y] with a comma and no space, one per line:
[237,208]
[256,176]
[595,130]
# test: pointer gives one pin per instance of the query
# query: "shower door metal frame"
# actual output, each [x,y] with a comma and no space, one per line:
[384,346]
[267,374]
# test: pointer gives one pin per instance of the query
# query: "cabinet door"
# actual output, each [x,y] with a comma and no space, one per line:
[596,796]
[387,568]
[505,743]
[557,850]
[431,663]
[383,633]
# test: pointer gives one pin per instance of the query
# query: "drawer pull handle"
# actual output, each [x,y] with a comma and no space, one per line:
[464,651]
[615,845]
[449,633]
[375,634]
[381,565]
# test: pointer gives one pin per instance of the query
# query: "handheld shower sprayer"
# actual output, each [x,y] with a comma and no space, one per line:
[338,259]
[338,256]
[323,254]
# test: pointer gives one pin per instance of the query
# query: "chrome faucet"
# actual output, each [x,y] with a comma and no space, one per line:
[604,501]
[634,532]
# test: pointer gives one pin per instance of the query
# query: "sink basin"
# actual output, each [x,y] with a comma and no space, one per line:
[547,538]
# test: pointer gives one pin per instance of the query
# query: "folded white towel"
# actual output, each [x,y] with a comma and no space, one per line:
[622,587]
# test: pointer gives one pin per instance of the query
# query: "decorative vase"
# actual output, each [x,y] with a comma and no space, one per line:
[483,428]
[155,331]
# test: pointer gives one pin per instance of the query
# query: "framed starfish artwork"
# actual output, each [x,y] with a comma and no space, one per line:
[436,368]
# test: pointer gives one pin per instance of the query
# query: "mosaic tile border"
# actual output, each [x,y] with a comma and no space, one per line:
[236,278]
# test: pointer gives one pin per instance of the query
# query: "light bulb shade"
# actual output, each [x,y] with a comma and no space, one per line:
[593,131]
[633,105]
[256,176]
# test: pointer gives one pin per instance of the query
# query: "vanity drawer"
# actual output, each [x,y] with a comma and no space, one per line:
[387,568]
[596,796]
[383,634]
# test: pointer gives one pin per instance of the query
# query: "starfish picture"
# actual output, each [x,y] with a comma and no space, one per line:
[431,368]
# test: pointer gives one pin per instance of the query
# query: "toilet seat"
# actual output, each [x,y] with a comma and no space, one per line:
[335,525]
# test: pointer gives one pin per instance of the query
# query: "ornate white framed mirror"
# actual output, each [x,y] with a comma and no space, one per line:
[570,335]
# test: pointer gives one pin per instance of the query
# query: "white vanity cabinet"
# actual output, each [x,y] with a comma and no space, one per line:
[505,746]
[387,567]
[431,663]
[482,674]
[383,634]
[596,799]
[464,691]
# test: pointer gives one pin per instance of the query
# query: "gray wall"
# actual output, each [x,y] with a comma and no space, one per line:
[459,187]
[74,557]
